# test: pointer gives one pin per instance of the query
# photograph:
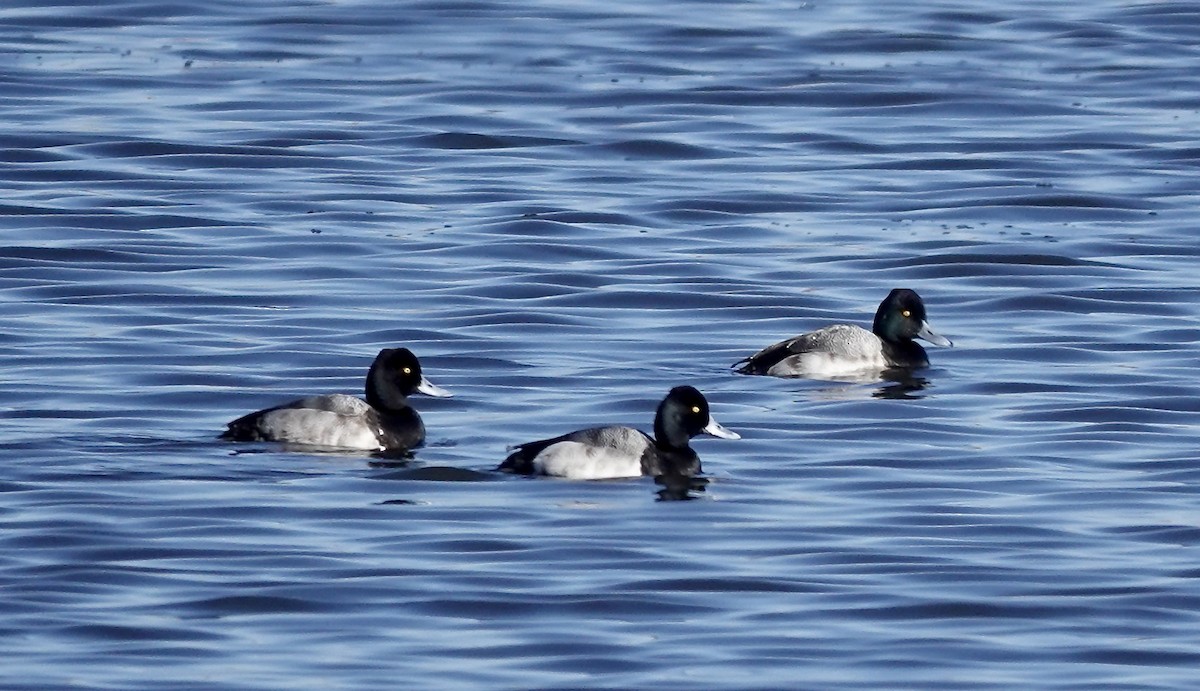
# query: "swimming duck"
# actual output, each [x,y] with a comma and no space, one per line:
[845,349]
[614,452]
[384,421]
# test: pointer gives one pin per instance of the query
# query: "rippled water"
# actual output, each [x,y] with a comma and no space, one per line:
[565,209]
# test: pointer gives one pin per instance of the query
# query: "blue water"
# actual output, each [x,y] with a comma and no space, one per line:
[565,209]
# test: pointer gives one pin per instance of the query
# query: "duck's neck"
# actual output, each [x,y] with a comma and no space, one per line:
[383,398]
[880,327]
[669,437]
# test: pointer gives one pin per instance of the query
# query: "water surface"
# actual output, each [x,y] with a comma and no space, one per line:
[565,211]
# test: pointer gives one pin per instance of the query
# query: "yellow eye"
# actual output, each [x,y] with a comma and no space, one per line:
[695,409]
[408,370]
[906,314]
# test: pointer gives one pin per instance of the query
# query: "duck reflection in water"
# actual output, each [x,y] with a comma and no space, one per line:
[897,384]
[902,385]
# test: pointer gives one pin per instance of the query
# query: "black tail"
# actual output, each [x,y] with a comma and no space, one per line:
[748,366]
[521,458]
[762,361]
[244,428]
[519,461]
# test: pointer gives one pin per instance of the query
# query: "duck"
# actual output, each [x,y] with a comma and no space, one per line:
[847,350]
[382,422]
[614,451]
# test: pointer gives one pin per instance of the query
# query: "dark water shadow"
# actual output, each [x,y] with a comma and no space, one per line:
[253,448]
[391,458]
[676,487]
[435,474]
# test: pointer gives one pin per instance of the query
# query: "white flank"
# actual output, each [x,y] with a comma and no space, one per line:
[576,461]
[322,428]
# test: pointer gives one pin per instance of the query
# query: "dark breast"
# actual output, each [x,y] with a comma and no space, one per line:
[656,461]
[905,354]
[401,429]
